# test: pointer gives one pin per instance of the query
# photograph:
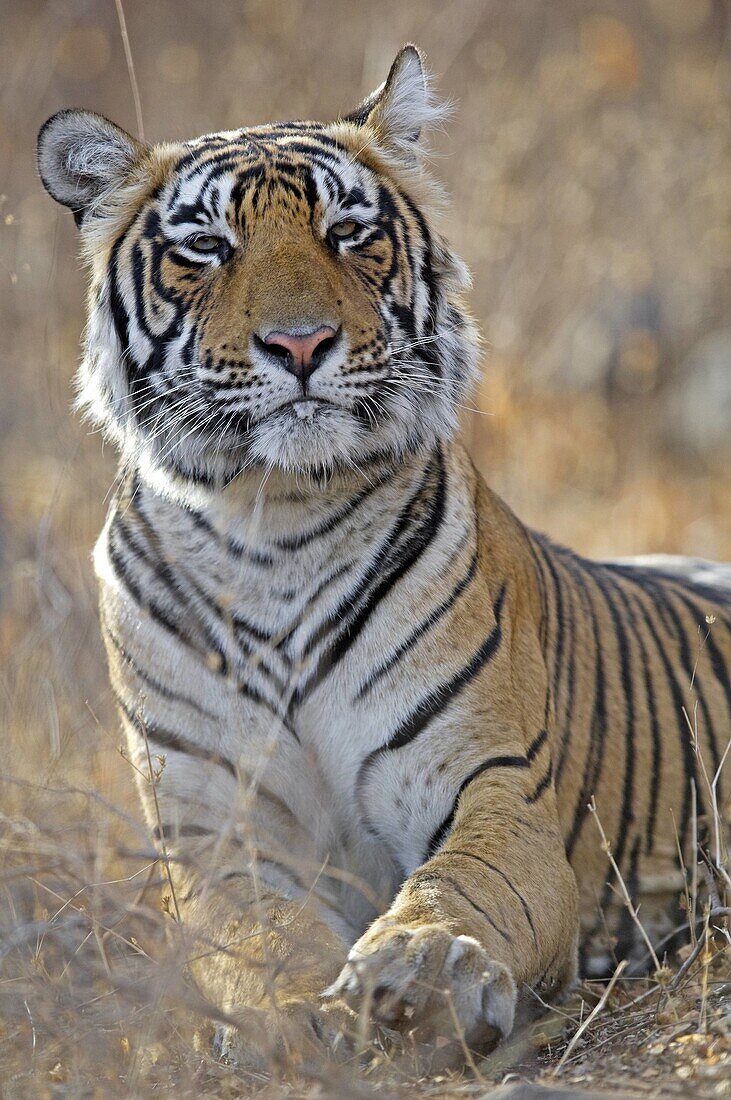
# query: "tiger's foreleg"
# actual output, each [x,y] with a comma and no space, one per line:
[491,912]
[257,942]
[259,925]
[264,959]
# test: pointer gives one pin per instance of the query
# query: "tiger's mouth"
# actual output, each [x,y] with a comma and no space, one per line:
[304,419]
[305,408]
[240,423]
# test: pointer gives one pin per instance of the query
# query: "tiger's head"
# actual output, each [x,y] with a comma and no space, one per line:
[273,297]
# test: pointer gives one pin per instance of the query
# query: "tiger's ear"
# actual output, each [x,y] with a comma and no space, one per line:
[83,156]
[399,110]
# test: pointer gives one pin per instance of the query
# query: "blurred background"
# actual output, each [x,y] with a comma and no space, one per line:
[589,164]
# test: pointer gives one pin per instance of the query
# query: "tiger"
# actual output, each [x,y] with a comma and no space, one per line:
[374,718]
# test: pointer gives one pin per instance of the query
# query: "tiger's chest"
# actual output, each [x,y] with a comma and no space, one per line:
[319,631]
[296,713]
[313,639]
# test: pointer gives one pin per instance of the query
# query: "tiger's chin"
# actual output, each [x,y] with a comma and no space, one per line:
[307,435]
[312,435]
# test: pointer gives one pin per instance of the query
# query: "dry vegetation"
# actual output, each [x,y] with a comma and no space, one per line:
[589,164]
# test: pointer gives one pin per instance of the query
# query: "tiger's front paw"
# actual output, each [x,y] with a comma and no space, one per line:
[298,1033]
[431,981]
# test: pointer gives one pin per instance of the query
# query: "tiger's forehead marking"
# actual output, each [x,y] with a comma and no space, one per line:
[299,160]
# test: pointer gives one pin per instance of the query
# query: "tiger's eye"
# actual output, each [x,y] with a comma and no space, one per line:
[342,231]
[205,243]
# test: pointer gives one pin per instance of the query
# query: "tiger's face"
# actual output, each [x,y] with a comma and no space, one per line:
[272,297]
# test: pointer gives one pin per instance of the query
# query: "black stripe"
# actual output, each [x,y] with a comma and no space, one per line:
[413,552]
[436,701]
[721,673]
[558,662]
[273,863]
[428,876]
[430,621]
[567,709]
[537,744]
[715,594]
[686,747]
[385,557]
[189,473]
[396,559]
[543,626]
[120,318]
[570,657]
[543,786]
[656,766]
[149,605]
[255,659]
[491,867]
[159,615]
[151,681]
[695,680]
[168,739]
[597,733]
[662,594]
[162,572]
[627,814]
[296,542]
[330,578]
[236,549]
[441,831]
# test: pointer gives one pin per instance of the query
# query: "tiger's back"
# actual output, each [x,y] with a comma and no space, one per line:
[640,650]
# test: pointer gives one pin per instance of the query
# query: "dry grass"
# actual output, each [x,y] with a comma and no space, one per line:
[95,998]
[589,165]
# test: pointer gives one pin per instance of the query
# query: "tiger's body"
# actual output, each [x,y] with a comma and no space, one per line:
[384,704]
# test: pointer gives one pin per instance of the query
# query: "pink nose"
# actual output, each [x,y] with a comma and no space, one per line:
[301,353]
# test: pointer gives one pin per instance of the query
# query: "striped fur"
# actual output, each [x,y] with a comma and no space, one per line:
[383,704]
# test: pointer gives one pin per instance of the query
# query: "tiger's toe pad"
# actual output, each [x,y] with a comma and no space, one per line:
[429,980]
